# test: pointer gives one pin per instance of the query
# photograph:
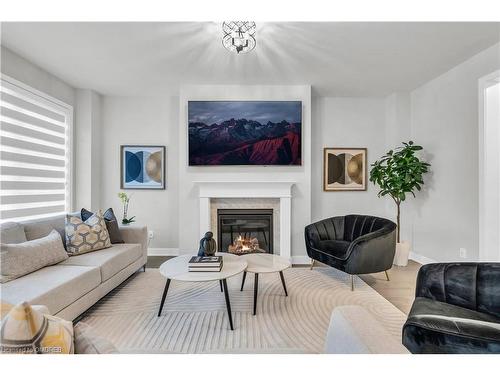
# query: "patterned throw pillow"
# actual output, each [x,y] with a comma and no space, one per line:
[19,259]
[29,329]
[86,236]
[111,224]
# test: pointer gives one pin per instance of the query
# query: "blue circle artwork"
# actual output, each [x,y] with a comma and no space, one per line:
[134,166]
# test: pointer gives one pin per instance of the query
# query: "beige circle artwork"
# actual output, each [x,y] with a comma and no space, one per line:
[355,168]
[153,166]
[344,169]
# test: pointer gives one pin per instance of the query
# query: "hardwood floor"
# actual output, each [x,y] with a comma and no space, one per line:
[400,290]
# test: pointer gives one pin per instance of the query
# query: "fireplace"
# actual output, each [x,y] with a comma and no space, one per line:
[243,231]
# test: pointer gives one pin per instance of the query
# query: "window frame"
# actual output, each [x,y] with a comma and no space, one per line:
[40,98]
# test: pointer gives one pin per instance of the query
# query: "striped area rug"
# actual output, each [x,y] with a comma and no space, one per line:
[194,317]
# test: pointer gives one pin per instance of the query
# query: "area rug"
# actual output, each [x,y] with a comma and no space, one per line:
[194,318]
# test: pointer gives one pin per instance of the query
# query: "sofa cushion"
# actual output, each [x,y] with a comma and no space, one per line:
[110,261]
[55,287]
[438,327]
[12,233]
[41,227]
[19,259]
[336,248]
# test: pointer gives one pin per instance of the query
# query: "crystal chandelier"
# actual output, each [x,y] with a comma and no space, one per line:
[239,36]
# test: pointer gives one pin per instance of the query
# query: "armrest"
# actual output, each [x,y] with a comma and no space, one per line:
[475,286]
[383,235]
[135,234]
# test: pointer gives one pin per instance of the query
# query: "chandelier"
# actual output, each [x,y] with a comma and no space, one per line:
[238,36]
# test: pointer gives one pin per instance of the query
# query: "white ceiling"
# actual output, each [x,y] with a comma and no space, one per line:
[337,59]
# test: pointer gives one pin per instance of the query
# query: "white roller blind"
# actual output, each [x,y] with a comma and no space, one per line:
[35,153]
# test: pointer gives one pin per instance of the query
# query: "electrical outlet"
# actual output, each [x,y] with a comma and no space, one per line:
[151,234]
[463,253]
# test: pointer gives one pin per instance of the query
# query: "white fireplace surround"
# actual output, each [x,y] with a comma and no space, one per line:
[249,189]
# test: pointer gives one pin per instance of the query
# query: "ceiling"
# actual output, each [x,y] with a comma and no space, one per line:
[336,58]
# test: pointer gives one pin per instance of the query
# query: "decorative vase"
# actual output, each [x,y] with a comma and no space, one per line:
[125,209]
[402,254]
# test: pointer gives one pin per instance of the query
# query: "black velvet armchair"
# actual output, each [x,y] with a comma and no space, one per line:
[456,309]
[356,244]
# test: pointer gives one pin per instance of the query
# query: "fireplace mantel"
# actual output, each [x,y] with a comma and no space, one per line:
[249,189]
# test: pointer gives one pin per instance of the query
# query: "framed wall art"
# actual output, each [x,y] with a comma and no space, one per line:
[344,169]
[142,167]
[245,133]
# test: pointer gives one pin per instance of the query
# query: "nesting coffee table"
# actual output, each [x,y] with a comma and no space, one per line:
[177,269]
[264,263]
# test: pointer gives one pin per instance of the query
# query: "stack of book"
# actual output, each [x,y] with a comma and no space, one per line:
[205,264]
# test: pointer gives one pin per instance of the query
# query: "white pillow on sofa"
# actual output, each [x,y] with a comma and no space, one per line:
[22,258]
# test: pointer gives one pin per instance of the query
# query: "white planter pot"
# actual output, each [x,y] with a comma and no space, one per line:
[402,254]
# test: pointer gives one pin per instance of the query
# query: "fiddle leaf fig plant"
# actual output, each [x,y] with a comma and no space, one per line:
[399,173]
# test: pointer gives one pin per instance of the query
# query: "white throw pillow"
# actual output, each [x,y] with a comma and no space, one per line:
[22,258]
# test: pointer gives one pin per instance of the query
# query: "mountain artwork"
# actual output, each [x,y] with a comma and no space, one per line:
[245,133]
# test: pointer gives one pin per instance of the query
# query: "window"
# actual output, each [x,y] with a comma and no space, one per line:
[35,153]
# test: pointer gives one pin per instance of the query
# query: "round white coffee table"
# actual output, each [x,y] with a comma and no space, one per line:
[264,263]
[177,269]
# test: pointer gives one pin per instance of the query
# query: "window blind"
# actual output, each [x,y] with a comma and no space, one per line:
[35,174]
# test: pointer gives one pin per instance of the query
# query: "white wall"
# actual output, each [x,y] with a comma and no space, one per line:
[87,145]
[444,119]
[188,193]
[397,130]
[142,121]
[489,172]
[18,68]
[347,122]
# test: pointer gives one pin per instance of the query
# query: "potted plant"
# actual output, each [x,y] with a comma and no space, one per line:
[125,201]
[398,173]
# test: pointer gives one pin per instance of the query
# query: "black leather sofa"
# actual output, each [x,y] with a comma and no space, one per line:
[356,244]
[456,309]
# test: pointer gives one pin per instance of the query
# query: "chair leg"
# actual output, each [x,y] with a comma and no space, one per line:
[387,276]
[312,264]
[352,283]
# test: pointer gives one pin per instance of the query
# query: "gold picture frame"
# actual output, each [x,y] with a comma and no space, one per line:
[344,169]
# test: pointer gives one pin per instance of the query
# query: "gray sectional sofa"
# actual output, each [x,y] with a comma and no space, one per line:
[71,287]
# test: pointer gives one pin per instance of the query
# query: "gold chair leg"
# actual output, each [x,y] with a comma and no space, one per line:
[387,276]
[312,264]
[352,283]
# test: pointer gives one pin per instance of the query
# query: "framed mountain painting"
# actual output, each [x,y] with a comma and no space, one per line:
[142,167]
[344,169]
[265,133]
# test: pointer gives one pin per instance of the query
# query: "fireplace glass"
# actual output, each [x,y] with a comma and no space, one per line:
[243,231]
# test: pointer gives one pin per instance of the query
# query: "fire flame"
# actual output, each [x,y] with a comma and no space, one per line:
[243,246]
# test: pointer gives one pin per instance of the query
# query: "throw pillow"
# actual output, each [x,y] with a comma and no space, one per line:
[31,330]
[83,237]
[19,259]
[111,224]
[88,342]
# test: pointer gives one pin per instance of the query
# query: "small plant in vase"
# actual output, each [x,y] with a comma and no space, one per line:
[398,173]
[125,201]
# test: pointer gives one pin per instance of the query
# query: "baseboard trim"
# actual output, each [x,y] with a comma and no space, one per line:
[301,260]
[421,258]
[163,251]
